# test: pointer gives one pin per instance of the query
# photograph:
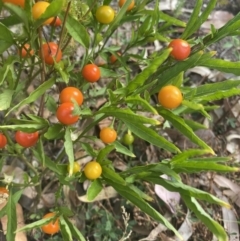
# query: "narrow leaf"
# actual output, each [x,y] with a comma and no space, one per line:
[183,189]
[68,145]
[207,89]
[191,166]
[165,75]
[172,20]
[94,189]
[196,107]
[140,79]
[222,65]
[65,230]
[133,197]
[19,13]
[127,114]
[24,127]
[77,31]
[151,136]
[35,94]
[5,99]
[212,225]
[180,125]
[188,154]
[104,152]
[194,18]
[52,10]
[12,218]
[123,149]
[74,230]
[6,35]
[137,100]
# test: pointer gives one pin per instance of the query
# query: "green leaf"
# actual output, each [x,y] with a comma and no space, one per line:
[212,225]
[94,189]
[171,20]
[74,231]
[137,100]
[36,224]
[195,20]
[63,73]
[25,127]
[5,99]
[141,193]
[51,103]
[77,31]
[17,195]
[68,145]
[176,186]
[108,73]
[58,169]
[52,10]
[115,23]
[37,118]
[35,94]
[19,13]
[104,152]
[6,35]
[178,80]
[122,149]
[41,151]
[192,24]
[54,132]
[190,166]
[229,28]
[141,78]
[166,74]
[158,169]
[187,154]
[133,197]
[127,114]
[4,72]
[222,65]
[194,125]
[180,125]
[150,136]
[197,107]
[211,159]
[209,89]
[65,211]
[65,230]
[145,26]
[10,20]
[205,14]
[109,173]
[90,151]
[218,95]
[12,218]
[3,211]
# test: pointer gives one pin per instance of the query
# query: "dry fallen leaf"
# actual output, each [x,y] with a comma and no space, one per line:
[233,193]
[153,235]
[229,218]
[171,199]
[186,229]
[217,19]
[168,5]
[20,236]
[106,193]
[18,175]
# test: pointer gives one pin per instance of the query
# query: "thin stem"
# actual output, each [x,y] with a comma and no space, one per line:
[63,26]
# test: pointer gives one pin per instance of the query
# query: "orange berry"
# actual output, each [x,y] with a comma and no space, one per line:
[52,227]
[108,135]
[170,97]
